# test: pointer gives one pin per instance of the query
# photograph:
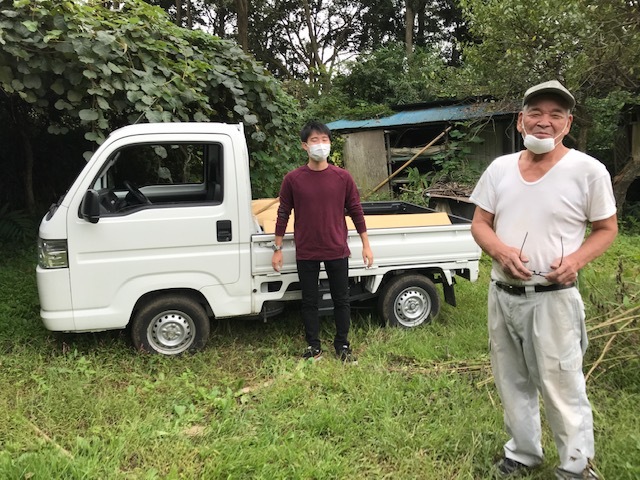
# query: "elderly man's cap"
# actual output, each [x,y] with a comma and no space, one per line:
[552,87]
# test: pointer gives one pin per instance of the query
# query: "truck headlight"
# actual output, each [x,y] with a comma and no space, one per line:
[52,253]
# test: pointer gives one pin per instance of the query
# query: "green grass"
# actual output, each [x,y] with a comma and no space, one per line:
[419,404]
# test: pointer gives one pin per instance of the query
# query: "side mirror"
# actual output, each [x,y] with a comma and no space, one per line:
[90,207]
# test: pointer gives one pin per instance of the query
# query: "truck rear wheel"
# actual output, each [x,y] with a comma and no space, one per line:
[170,325]
[408,301]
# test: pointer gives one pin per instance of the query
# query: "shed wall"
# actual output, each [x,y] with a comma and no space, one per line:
[365,157]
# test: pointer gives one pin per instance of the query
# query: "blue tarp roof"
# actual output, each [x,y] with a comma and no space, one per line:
[421,116]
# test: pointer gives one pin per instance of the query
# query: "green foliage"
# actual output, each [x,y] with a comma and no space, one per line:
[607,114]
[590,47]
[417,185]
[387,76]
[453,163]
[630,221]
[15,226]
[451,166]
[68,65]
[384,78]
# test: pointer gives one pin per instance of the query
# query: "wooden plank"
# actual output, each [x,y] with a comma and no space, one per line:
[267,218]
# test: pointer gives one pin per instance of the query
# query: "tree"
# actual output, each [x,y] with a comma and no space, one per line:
[590,46]
[67,66]
[435,23]
[242,9]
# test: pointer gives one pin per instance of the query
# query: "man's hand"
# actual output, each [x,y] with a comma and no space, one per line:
[367,256]
[276,260]
[513,264]
[564,271]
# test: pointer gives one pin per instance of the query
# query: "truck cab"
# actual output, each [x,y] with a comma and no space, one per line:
[159,208]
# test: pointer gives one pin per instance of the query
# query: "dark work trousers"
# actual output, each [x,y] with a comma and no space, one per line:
[338,274]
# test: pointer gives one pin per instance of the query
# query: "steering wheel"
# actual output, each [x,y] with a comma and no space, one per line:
[136,193]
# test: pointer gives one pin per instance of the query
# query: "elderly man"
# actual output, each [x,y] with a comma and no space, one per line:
[532,211]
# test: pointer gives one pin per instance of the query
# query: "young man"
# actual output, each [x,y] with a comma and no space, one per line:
[532,211]
[320,193]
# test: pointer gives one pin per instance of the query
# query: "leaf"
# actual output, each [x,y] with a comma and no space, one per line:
[17,85]
[240,110]
[133,97]
[200,117]
[62,105]
[153,116]
[74,96]
[88,114]
[105,37]
[89,74]
[31,25]
[32,81]
[57,129]
[6,74]
[102,103]
[250,119]
[258,136]
[114,68]
[51,35]
[28,96]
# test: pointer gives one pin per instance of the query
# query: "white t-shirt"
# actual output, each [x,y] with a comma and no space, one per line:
[551,212]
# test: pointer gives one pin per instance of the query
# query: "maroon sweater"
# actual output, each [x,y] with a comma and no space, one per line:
[319,200]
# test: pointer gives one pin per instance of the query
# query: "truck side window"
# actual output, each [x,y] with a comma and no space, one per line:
[160,175]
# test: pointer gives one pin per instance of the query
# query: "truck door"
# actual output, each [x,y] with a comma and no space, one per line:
[168,219]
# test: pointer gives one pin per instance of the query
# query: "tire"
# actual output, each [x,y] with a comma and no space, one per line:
[170,325]
[408,301]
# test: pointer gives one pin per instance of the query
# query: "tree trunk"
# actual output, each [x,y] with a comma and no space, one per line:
[410,16]
[189,15]
[242,9]
[179,13]
[623,180]
[316,67]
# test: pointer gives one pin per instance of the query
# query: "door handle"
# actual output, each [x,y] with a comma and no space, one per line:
[223,230]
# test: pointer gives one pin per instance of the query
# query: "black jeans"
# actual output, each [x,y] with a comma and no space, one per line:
[338,274]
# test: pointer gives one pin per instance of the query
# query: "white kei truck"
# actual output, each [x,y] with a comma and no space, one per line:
[159,234]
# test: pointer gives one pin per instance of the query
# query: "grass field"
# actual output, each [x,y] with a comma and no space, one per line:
[419,403]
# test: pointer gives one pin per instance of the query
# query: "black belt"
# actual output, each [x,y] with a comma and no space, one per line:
[521,290]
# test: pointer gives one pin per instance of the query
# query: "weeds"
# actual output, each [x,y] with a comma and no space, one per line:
[420,403]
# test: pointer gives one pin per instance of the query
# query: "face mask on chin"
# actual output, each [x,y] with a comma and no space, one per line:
[319,152]
[538,146]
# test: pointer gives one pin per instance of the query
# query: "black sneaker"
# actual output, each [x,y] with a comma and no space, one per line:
[312,353]
[507,467]
[345,354]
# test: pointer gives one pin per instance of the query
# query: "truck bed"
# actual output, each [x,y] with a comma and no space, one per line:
[402,235]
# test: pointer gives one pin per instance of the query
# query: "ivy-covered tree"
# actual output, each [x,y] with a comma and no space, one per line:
[66,66]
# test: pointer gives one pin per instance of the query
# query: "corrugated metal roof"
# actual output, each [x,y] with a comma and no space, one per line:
[421,116]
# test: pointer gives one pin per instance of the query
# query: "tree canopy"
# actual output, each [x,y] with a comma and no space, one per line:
[66,66]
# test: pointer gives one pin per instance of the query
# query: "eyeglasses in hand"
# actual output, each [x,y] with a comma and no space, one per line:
[533,272]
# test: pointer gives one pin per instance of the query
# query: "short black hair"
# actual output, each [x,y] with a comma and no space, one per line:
[314,126]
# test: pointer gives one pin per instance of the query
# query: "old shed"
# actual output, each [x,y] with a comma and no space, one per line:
[377,148]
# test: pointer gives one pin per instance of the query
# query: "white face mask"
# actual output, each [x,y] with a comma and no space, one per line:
[319,151]
[538,146]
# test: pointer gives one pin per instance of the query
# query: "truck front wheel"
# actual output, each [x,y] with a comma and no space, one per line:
[170,325]
[409,301]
